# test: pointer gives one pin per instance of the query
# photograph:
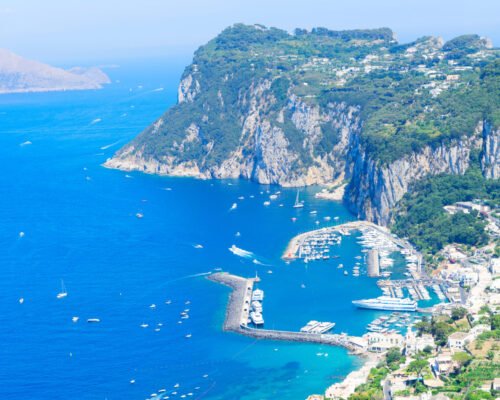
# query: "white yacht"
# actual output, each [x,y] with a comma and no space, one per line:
[257,318]
[387,303]
[298,203]
[63,292]
[258,295]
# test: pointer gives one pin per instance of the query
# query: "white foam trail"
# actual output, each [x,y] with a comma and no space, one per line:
[240,252]
[257,262]
[95,121]
[198,246]
[27,143]
[160,89]
[109,145]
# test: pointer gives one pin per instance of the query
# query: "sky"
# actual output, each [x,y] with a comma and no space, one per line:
[89,31]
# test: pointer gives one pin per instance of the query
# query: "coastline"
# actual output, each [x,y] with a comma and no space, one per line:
[355,378]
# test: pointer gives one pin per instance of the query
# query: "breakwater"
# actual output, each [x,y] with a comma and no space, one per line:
[237,310]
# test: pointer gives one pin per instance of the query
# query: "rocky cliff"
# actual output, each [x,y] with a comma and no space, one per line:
[490,161]
[323,106]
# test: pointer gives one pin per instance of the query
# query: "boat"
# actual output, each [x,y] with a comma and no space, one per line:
[93,320]
[267,203]
[63,292]
[317,327]
[139,215]
[257,318]
[387,303]
[75,319]
[188,336]
[233,207]
[258,295]
[298,203]
[144,325]
[346,273]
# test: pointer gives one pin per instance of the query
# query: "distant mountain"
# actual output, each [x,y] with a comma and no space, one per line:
[19,75]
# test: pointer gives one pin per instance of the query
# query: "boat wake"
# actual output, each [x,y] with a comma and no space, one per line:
[240,252]
[109,145]
[257,262]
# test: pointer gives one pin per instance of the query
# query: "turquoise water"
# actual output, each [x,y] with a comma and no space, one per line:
[79,225]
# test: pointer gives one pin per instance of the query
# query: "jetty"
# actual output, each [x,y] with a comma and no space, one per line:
[237,313]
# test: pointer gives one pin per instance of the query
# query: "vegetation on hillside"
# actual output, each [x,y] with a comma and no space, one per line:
[408,95]
[421,218]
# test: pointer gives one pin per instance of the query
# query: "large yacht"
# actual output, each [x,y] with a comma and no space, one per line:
[387,303]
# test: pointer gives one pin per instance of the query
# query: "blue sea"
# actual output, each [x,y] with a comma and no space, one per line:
[78,223]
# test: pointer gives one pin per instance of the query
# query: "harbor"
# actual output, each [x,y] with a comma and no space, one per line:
[377,241]
[238,313]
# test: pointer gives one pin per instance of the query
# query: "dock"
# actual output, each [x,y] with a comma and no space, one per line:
[237,312]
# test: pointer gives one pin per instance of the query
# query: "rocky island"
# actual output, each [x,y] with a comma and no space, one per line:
[323,106]
[20,75]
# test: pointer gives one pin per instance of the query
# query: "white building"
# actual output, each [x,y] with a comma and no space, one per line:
[458,340]
[379,342]
[415,344]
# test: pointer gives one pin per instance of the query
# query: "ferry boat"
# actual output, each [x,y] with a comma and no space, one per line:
[317,327]
[387,303]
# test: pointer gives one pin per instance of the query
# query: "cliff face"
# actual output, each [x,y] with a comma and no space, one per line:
[375,189]
[490,161]
[263,152]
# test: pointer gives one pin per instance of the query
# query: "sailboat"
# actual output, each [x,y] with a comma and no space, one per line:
[63,292]
[298,203]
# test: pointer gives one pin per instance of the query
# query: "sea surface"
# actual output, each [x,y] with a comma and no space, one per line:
[65,217]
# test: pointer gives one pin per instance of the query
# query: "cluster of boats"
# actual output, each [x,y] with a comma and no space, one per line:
[317,247]
[256,317]
[392,323]
[418,292]
[317,327]
[411,262]
[371,239]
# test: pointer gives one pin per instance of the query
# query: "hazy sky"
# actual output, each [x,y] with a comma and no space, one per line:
[67,31]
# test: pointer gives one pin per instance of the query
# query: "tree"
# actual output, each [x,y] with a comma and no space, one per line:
[495,322]
[462,358]
[393,355]
[458,313]
[417,366]
[490,355]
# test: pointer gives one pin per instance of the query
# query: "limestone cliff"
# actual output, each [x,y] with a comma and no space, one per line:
[490,161]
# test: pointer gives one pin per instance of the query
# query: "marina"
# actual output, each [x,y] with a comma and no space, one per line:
[237,313]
